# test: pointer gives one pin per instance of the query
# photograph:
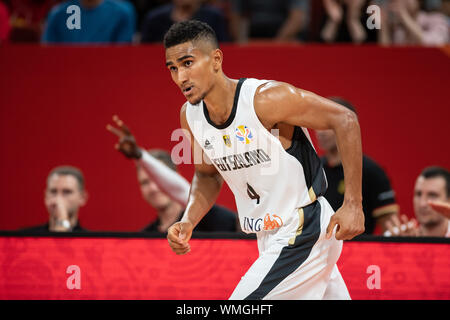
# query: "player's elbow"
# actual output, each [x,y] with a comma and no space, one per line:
[348,121]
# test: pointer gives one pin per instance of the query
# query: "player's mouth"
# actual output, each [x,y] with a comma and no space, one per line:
[188,90]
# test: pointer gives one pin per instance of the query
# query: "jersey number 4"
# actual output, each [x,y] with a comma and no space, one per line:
[252,193]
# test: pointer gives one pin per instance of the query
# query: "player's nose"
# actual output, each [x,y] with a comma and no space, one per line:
[183,77]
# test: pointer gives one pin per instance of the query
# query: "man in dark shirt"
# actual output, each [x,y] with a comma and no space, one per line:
[379,204]
[217,219]
[159,20]
[280,20]
[65,194]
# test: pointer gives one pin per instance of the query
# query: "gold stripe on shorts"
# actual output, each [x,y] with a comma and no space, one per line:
[301,220]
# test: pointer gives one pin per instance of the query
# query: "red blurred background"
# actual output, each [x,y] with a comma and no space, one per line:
[56,101]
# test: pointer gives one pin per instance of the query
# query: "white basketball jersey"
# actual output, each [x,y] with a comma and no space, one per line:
[269,183]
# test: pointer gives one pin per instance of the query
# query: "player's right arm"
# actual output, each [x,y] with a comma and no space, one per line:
[205,189]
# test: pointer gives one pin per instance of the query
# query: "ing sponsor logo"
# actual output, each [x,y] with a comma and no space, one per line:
[269,223]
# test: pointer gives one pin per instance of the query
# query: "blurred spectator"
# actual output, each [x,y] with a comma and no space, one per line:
[170,211]
[445,8]
[431,204]
[379,203]
[143,7]
[280,20]
[65,194]
[164,189]
[344,16]
[407,22]
[28,18]
[102,21]
[4,23]
[159,20]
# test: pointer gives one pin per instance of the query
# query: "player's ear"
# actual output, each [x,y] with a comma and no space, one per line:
[217,56]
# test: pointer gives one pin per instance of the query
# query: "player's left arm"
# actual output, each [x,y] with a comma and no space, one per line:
[278,102]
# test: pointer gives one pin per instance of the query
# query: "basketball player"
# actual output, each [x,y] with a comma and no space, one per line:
[278,182]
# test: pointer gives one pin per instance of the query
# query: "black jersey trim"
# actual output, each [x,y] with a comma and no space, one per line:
[233,110]
[302,149]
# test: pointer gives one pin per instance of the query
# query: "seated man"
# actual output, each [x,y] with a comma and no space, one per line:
[431,207]
[64,196]
[159,20]
[164,189]
[379,204]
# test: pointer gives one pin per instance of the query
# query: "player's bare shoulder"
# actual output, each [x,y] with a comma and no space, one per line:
[270,97]
[183,110]
[274,91]
[183,118]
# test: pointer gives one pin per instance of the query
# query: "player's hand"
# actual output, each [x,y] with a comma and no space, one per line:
[349,220]
[402,227]
[179,235]
[441,207]
[127,143]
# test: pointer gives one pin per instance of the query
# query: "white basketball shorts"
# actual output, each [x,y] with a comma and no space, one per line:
[296,261]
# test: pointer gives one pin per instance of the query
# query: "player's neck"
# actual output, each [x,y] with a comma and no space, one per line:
[220,99]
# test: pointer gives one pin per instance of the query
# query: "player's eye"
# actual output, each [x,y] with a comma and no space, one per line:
[188,63]
[173,68]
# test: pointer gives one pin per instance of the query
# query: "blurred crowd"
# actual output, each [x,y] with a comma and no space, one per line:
[387,22]
[166,191]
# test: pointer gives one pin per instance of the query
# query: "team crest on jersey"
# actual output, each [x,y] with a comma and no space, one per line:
[272,222]
[244,134]
[227,140]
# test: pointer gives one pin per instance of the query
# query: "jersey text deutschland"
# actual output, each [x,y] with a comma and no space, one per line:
[241,160]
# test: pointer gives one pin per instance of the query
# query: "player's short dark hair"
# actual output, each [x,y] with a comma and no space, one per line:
[436,171]
[191,30]
[69,171]
[344,103]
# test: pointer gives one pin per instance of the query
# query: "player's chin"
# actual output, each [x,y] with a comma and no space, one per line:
[194,100]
